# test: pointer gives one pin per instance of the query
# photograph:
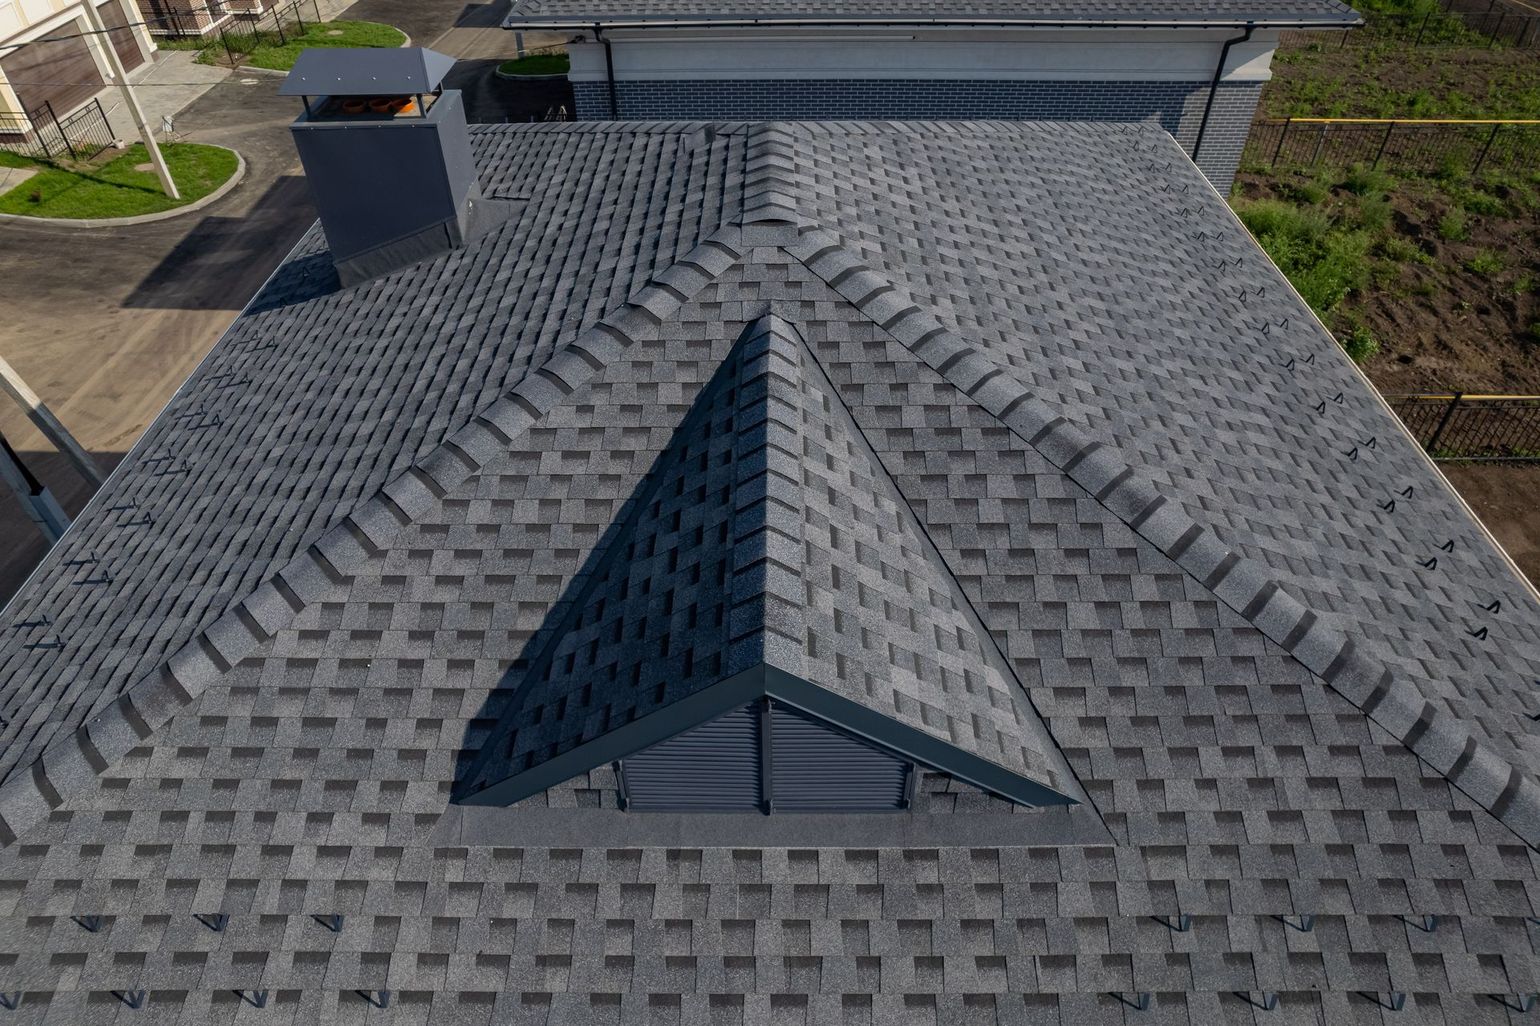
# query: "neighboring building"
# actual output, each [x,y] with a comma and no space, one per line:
[63,65]
[1126,659]
[1197,69]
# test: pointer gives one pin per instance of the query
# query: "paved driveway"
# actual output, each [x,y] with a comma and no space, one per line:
[106,323]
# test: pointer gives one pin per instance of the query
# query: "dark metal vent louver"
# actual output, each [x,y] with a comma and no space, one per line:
[715,767]
[820,769]
[719,766]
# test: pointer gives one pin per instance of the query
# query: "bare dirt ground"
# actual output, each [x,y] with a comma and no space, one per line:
[1507,498]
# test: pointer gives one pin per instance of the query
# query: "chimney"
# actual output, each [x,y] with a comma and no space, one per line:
[387,154]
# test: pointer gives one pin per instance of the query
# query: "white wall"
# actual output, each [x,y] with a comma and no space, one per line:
[773,52]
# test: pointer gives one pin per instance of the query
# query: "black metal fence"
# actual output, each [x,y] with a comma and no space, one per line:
[1473,427]
[1490,25]
[166,19]
[277,27]
[79,135]
[1405,146]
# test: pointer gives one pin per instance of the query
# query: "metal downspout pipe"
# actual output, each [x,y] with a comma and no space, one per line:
[1213,88]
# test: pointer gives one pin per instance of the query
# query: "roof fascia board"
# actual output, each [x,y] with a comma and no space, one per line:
[575,23]
[904,740]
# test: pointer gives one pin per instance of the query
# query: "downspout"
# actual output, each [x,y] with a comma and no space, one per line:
[1213,88]
[609,68]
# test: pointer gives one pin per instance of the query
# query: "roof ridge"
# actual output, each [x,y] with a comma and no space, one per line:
[75,762]
[747,497]
[1243,584]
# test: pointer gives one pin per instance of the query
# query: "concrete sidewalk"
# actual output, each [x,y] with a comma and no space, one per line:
[166,85]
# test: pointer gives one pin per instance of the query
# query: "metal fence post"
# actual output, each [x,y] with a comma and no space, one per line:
[1383,143]
[1423,29]
[1485,148]
[1496,29]
[1438,432]
[1319,142]
[1281,137]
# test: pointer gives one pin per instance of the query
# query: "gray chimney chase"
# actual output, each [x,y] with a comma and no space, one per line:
[387,154]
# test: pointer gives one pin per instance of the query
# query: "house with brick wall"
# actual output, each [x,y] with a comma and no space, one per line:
[1195,68]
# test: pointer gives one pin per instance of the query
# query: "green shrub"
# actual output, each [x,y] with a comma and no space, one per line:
[1484,262]
[1359,343]
[1484,203]
[1363,181]
[1313,192]
[1523,285]
[1452,226]
[1324,262]
[1394,247]
[1374,213]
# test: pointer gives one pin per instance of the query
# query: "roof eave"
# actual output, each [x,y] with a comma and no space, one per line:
[1348,20]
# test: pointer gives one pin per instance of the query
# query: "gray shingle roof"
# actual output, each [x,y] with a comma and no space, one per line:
[584,13]
[1156,482]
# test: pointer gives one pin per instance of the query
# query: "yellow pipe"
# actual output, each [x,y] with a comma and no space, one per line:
[1447,398]
[1409,121]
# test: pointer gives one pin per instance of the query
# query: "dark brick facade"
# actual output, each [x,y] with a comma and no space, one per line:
[1178,106]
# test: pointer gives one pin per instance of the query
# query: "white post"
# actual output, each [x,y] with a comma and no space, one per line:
[94,20]
[47,423]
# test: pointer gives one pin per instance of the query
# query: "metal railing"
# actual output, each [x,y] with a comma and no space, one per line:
[280,25]
[1489,25]
[80,135]
[1472,427]
[1397,144]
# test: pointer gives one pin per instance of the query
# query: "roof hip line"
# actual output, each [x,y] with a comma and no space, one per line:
[75,762]
[1243,584]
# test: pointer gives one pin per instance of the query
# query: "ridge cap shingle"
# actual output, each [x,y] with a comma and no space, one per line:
[1241,583]
[74,763]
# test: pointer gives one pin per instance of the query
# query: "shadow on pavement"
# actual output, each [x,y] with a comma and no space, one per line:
[224,259]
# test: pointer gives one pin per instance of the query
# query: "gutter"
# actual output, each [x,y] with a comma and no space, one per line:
[1213,87]
[567,24]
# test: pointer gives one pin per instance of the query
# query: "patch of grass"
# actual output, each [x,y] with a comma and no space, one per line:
[1452,226]
[1484,262]
[1478,202]
[1534,332]
[1363,181]
[1359,343]
[537,64]
[116,189]
[1314,191]
[1374,214]
[1522,285]
[1402,250]
[268,51]
[1323,259]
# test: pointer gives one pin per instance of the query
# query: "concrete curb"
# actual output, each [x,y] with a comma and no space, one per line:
[163,215]
[525,78]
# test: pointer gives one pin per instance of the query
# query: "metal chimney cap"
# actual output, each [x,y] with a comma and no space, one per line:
[366,71]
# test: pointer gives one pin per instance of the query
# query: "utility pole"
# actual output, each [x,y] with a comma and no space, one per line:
[94,19]
[48,424]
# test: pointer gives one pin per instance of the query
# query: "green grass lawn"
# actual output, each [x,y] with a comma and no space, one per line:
[266,50]
[537,64]
[115,189]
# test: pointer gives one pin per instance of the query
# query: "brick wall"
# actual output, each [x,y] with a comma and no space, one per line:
[1178,106]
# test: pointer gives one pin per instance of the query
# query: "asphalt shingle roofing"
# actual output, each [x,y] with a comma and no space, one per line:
[579,14]
[1093,496]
